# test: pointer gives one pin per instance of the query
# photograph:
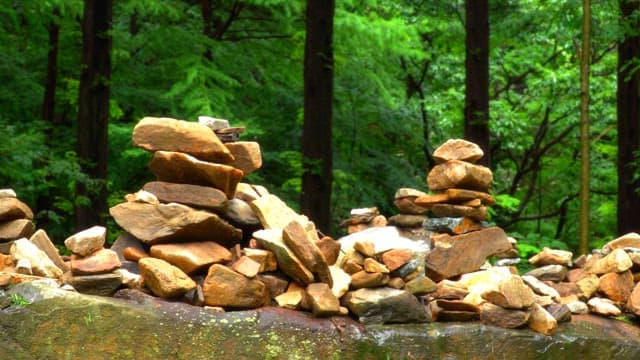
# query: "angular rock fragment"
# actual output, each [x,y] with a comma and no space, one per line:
[99,284]
[288,262]
[164,279]
[16,229]
[449,210]
[191,257]
[246,266]
[630,240]
[541,321]
[204,197]
[166,134]
[456,255]
[40,263]
[462,195]
[396,258]
[495,315]
[363,279]
[551,257]
[296,238]
[457,149]
[510,293]
[176,167]
[330,249]
[12,208]
[322,301]
[459,174]
[227,288]
[87,241]
[42,241]
[633,303]
[384,306]
[275,214]
[99,262]
[603,306]
[617,286]
[264,258]
[452,225]
[549,272]
[616,261]
[154,224]
[247,156]
[420,285]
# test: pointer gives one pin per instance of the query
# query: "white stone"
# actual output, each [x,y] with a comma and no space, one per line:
[603,307]
[7,193]
[578,307]
[213,123]
[540,287]
[87,241]
[341,281]
[142,196]
[41,265]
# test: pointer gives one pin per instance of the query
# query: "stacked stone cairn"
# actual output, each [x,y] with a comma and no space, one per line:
[199,235]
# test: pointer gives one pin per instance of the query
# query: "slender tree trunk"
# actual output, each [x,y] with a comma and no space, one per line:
[585,177]
[628,104]
[43,200]
[476,102]
[93,112]
[317,154]
[48,105]
[207,24]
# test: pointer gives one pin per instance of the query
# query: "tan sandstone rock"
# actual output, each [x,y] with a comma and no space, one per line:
[457,149]
[164,279]
[459,174]
[191,257]
[197,196]
[154,224]
[176,167]
[166,134]
[227,288]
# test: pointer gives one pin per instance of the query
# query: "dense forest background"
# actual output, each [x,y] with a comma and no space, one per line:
[398,89]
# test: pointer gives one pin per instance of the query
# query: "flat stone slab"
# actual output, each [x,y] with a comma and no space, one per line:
[60,322]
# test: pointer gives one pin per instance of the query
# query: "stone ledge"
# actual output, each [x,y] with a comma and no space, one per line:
[58,324]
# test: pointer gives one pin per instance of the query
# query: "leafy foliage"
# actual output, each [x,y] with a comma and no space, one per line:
[399,93]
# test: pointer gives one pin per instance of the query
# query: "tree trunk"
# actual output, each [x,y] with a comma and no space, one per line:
[476,102]
[317,152]
[628,103]
[93,113]
[585,177]
[43,200]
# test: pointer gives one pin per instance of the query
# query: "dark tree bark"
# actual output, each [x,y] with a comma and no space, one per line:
[585,164]
[93,112]
[628,104]
[48,105]
[317,162]
[476,102]
[43,200]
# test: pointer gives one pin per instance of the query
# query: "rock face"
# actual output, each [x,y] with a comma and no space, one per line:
[61,322]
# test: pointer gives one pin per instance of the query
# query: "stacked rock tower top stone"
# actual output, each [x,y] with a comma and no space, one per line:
[459,200]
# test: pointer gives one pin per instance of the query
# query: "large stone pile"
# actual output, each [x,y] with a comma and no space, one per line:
[200,235]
